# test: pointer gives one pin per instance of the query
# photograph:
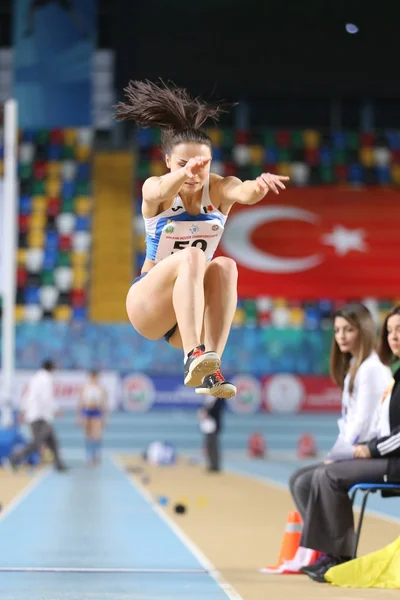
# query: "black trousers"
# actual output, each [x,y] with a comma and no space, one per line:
[43,434]
[321,495]
[213,451]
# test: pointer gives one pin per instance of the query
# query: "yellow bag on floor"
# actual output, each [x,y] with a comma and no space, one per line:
[379,569]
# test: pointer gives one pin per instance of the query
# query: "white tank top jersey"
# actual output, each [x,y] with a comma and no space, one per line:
[92,395]
[175,229]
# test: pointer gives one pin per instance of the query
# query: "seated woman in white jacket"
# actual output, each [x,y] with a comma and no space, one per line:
[328,523]
[357,369]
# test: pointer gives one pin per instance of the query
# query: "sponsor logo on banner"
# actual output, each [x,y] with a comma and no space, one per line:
[300,393]
[248,396]
[284,394]
[138,393]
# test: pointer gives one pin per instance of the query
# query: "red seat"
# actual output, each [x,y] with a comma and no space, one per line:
[54,207]
[22,277]
[40,170]
[242,136]
[78,298]
[23,223]
[65,243]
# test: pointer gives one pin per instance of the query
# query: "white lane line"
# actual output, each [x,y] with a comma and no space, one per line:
[99,570]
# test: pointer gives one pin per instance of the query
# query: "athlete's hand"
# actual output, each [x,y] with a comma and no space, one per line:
[195,165]
[362,451]
[268,181]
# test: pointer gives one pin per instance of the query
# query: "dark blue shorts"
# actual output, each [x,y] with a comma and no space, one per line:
[169,333]
[91,413]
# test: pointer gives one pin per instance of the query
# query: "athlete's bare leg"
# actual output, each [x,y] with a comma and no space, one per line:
[172,292]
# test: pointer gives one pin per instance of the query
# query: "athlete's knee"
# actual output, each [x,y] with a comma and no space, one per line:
[194,258]
[226,267]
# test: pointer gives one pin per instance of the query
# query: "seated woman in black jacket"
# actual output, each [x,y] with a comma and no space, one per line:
[328,524]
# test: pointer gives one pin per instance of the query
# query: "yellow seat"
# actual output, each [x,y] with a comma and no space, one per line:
[367,157]
[284,169]
[36,238]
[215,135]
[83,206]
[280,303]
[311,139]
[19,312]
[257,155]
[39,204]
[141,243]
[70,137]
[80,278]
[396,174]
[53,169]
[83,153]
[62,313]
[37,220]
[296,317]
[79,259]
[53,187]
[1,168]
[239,317]
[21,257]
[157,168]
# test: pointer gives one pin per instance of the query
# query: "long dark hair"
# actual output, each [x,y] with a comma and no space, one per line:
[384,351]
[360,317]
[169,107]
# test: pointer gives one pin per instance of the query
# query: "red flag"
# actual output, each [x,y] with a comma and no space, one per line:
[317,243]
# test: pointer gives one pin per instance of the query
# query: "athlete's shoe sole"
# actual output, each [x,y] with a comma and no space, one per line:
[224,390]
[200,367]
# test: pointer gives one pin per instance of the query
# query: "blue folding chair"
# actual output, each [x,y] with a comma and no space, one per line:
[367,489]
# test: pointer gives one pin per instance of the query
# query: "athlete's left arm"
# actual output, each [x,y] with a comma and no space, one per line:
[232,189]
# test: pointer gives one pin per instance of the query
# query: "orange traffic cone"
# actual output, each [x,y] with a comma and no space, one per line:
[290,543]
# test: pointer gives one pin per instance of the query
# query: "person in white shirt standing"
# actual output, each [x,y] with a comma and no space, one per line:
[38,411]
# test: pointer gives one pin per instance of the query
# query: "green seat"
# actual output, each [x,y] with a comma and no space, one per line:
[228,138]
[268,137]
[326,174]
[284,155]
[68,205]
[25,171]
[255,171]
[142,170]
[47,278]
[353,140]
[250,312]
[67,152]
[297,140]
[64,259]
[339,156]
[38,188]
[42,136]
[156,137]
[83,188]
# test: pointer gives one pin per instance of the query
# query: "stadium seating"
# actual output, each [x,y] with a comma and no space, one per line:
[55,208]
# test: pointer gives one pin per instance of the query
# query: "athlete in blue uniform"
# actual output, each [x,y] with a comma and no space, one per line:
[188,297]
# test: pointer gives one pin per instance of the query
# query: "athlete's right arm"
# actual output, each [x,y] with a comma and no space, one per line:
[158,189]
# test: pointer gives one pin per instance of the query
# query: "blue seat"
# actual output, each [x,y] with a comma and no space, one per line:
[54,152]
[367,489]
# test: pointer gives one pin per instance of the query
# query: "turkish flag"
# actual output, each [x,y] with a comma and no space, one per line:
[313,243]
